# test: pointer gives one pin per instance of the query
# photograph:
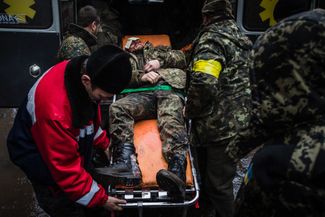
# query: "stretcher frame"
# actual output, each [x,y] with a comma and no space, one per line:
[154,197]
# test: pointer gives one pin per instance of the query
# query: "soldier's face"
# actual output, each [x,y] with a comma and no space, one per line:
[136,45]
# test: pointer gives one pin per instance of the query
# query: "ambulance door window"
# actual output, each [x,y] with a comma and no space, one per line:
[67,14]
[258,15]
[321,4]
[145,1]
[31,14]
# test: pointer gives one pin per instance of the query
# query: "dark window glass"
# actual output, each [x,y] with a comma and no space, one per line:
[67,14]
[25,14]
[145,1]
[261,14]
[321,4]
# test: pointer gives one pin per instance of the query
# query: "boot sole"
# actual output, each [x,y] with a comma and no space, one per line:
[171,183]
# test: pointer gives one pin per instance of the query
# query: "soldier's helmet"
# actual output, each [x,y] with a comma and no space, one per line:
[220,8]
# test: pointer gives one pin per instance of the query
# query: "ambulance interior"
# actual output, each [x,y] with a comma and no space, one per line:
[175,23]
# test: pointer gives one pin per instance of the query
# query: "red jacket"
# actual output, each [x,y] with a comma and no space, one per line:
[52,144]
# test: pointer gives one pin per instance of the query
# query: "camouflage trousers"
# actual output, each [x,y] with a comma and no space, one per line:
[166,106]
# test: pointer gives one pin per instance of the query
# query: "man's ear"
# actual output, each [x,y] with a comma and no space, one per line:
[93,26]
[86,81]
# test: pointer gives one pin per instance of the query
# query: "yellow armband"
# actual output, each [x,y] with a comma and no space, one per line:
[211,67]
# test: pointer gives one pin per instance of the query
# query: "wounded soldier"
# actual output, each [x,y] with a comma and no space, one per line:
[158,81]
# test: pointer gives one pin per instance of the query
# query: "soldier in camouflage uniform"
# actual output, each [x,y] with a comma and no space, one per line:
[109,22]
[218,101]
[159,69]
[288,117]
[111,27]
[80,37]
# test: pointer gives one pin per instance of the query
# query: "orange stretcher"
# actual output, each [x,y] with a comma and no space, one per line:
[154,39]
[149,151]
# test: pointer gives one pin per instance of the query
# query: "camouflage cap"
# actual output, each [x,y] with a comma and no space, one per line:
[220,8]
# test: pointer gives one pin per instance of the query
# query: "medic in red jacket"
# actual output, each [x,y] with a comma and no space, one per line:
[45,142]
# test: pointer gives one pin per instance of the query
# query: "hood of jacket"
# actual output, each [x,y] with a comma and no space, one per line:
[217,9]
[289,71]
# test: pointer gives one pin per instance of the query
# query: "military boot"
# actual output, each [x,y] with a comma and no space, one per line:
[173,180]
[125,169]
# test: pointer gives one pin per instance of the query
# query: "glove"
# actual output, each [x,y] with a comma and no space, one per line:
[318,175]
[270,165]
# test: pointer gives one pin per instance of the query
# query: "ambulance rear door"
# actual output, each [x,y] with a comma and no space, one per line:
[29,40]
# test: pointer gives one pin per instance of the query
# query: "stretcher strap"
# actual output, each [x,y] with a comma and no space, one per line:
[143,89]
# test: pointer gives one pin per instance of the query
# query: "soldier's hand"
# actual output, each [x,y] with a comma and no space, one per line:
[113,203]
[270,165]
[151,77]
[152,65]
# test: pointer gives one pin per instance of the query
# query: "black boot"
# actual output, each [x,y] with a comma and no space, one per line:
[173,180]
[125,169]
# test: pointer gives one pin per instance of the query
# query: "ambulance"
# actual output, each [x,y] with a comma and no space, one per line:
[31,32]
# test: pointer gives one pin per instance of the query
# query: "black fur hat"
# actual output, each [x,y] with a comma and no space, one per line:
[109,69]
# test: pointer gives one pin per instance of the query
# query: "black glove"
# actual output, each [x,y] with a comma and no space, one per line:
[318,174]
[270,165]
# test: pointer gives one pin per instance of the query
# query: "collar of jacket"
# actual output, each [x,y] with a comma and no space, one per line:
[219,18]
[88,37]
[83,109]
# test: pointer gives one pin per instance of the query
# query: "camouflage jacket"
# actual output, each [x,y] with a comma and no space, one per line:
[172,63]
[78,42]
[288,74]
[106,37]
[111,27]
[219,92]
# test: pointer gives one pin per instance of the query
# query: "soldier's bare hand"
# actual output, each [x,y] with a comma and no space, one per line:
[151,77]
[152,65]
[113,203]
